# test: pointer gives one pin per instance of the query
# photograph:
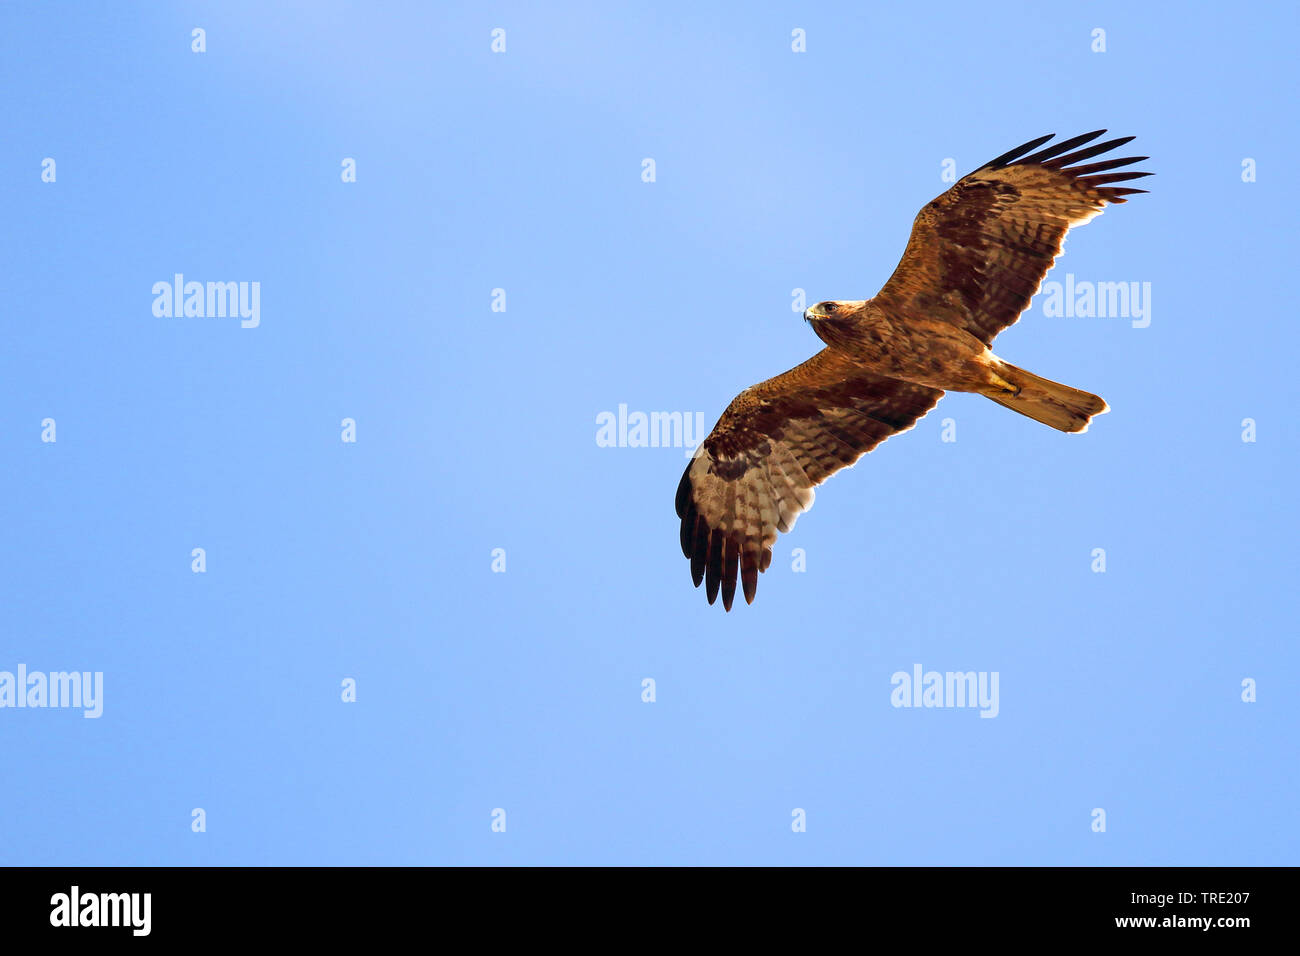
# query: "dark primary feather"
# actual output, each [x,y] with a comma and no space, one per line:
[1016,153]
[1048,157]
[1056,149]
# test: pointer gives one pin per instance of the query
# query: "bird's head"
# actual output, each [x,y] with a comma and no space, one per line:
[829,319]
[832,309]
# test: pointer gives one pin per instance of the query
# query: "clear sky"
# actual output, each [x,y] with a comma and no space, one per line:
[372,560]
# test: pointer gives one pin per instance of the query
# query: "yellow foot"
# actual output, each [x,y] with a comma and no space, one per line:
[999,382]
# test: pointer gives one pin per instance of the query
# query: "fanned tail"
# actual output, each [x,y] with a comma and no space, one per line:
[1060,406]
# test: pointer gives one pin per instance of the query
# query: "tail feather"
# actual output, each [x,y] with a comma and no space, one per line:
[1060,406]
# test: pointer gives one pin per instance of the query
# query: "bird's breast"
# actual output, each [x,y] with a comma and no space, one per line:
[914,348]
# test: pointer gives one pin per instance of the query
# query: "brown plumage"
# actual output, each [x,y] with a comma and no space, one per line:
[975,259]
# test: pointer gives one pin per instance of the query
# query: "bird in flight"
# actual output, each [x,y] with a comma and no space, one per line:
[975,259]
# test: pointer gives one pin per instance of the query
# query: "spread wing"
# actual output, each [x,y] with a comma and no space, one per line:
[755,472]
[979,252]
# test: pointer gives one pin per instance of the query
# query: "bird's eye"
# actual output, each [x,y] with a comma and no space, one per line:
[828,307]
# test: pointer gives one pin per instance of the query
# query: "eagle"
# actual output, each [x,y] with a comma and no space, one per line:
[976,257]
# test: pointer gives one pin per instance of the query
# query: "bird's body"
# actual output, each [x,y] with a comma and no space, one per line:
[915,348]
[976,256]
[945,356]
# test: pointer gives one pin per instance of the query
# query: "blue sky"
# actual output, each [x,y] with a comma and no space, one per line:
[476,430]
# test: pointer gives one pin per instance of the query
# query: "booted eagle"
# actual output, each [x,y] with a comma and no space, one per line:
[976,257]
